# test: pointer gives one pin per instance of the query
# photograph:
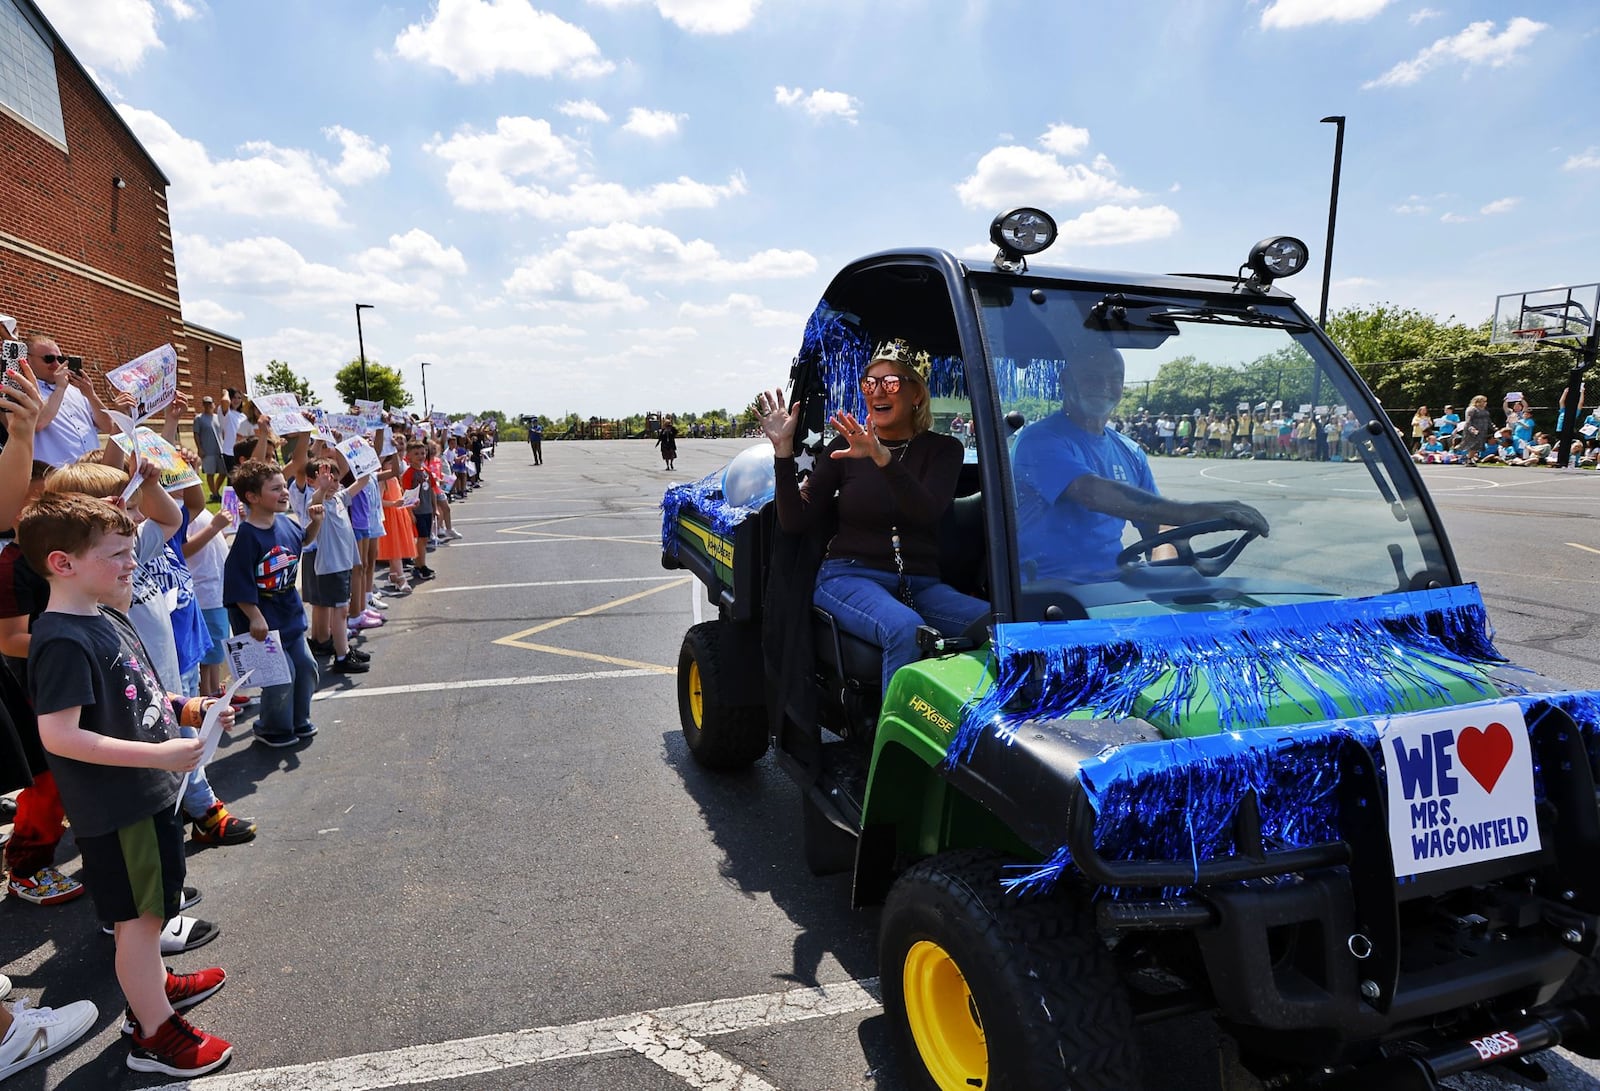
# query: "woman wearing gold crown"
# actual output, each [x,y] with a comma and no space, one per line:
[888,479]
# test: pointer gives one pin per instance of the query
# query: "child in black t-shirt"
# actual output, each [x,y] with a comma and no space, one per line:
[111,736]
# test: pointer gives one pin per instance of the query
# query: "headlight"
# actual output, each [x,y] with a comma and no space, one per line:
[1279,256]
[1022,231]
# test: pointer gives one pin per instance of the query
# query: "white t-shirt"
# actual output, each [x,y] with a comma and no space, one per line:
[206,565]
[229,422]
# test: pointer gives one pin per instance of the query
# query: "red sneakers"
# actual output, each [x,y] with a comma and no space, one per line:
[184,991]
[177,1048]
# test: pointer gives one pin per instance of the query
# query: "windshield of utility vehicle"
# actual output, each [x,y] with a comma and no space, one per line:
[1130,413]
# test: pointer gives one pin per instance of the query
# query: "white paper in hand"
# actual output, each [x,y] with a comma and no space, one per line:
[211,730]
[409,498]
[264,659]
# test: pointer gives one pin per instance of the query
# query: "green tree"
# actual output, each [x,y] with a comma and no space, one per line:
[385,383]
[279,378]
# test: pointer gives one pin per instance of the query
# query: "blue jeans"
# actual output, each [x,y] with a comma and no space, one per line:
[866,603]
[286,709]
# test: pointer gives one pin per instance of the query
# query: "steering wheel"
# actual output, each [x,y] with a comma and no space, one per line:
[1207,562]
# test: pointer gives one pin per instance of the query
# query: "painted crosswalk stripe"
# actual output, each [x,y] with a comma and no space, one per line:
[496,1052]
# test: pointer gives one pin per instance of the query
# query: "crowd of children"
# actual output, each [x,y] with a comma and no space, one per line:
[116,598]
[1473,439]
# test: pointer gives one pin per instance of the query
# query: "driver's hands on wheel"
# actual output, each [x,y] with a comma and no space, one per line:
[1232,512]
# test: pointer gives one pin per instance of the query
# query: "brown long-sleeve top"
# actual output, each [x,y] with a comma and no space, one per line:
[911,493]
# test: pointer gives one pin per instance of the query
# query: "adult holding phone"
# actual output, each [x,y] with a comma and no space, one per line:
[73,417]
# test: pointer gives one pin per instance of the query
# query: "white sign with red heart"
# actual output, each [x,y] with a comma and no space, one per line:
[1460,787]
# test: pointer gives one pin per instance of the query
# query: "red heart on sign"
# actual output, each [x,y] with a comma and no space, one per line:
[1485,754]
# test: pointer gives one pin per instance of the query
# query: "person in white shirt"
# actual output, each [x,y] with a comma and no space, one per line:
[228,420]
[73,416]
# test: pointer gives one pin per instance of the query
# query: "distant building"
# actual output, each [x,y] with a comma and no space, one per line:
[85,242]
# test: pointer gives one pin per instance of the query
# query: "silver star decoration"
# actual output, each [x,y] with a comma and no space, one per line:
[804,463]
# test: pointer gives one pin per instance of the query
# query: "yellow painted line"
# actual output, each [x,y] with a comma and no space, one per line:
[592,611]
[1586,549]
[615,661]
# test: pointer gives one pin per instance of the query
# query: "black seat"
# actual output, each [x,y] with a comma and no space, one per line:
[962,554]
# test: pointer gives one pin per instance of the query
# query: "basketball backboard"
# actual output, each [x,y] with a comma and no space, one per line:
[1546,313]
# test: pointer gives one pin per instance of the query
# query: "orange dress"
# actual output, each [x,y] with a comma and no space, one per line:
[399,540]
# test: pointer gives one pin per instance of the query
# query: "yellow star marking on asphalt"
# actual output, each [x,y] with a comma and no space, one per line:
[518,639]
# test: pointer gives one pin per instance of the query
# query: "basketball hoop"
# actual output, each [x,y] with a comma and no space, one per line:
[1532,333]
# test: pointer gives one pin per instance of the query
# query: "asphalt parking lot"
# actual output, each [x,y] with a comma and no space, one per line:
[496,866]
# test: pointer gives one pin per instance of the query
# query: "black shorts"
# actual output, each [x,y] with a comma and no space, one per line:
[424,524]
[327,589]
[136,871]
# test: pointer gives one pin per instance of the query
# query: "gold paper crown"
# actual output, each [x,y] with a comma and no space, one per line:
[899,351]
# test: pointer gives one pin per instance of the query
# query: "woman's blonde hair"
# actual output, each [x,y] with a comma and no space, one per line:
[922,409]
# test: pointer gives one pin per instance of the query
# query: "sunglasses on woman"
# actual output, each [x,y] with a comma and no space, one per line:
[890,384]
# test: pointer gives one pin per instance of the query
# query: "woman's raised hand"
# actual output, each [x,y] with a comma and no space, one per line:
[863,441]
[777,423]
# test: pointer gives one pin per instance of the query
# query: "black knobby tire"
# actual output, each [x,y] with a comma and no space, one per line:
[1045,1007]
[720,734]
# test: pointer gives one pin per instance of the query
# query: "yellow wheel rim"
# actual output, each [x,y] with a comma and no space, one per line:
[944,1019]
[697,700]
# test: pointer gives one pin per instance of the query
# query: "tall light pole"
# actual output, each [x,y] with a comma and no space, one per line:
[1337,121]
[425,409]
[361,347]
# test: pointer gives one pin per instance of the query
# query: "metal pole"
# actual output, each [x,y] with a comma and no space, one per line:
[1574,399]
[425,411]
[1337,121]
[361,347]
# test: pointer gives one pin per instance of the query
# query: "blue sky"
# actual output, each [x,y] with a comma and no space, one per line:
[608,206]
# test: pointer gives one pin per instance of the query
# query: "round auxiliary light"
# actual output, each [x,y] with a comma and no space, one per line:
[1279,256]
[1023,231]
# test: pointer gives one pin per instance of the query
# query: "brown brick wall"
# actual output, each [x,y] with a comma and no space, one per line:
[65,203]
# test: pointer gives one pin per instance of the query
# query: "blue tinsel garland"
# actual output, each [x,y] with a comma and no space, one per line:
[1245,659]
[704,498]
[1175,799]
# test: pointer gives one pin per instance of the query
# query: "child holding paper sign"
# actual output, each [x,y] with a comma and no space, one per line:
[111,733]
[258,587]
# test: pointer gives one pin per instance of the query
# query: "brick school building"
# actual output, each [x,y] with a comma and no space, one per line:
[85,242]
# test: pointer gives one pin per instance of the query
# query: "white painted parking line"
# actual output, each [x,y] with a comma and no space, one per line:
[498,1052]
[543,583]
[698,1066]
[636,539]
[481,683]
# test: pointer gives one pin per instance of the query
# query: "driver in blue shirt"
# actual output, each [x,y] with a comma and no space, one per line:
[1080,482]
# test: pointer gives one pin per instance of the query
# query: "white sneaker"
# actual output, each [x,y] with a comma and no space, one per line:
[377,601]
[453,533]
[37,1033]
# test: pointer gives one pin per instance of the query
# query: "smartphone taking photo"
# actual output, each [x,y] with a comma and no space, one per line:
[75,364]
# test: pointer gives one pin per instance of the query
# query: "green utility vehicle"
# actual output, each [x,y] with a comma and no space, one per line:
[1284,779]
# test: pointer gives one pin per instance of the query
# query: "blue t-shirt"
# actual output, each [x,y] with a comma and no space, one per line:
[261,568]
[1447,424]
[189,630]
[1522,432]
[1056,537]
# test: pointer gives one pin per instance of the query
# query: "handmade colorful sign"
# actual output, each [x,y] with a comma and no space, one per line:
[371,412]
[284,414]
[154,450]
[346,424]
[152,379]
[1460,787]
[360,455]
[439,420]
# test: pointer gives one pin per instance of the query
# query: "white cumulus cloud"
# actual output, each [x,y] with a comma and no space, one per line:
[652,124]
[1012,175]
[697,16]
[587,266]
[1588,159]
[1068,140]
[1504,204]
[1477,45]
[1288,14]
[524,166]
[819,104]
[583,110]
[1109,225]
[1422,15]
[262,180]
[409,272]
[746,308]
[114,34]
[204,312]
[477,39]
[361,158]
